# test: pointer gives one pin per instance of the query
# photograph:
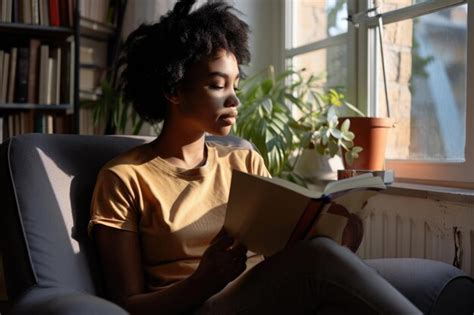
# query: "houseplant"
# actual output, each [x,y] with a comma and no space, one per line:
[111,110]
[372,136]
[269,115]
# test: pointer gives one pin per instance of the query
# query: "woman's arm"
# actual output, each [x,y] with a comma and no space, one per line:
[120,257]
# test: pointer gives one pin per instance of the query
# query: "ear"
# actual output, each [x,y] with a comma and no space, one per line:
[172,96]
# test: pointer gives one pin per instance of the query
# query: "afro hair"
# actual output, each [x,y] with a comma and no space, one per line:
[156,56]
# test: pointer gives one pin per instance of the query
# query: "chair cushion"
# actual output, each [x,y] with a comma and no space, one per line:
[63,301]
[49,181]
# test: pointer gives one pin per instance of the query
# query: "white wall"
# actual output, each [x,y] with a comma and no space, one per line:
[266,36]
[263,17]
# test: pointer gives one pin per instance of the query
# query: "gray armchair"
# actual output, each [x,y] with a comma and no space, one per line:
[46,183]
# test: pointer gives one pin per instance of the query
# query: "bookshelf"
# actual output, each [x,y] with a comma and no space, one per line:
[76,29]
[100,28]
[39,67]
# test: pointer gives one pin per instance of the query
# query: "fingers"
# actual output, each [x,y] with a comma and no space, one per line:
[221,244]
[222,241]
[238,250]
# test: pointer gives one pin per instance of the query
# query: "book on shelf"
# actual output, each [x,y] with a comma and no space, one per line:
[21,88]
[54,13]
[12,74]
[43,74]
[4,74]
[24,73]
[269,214]
[38,12]
[101,11]
[2,53]
[32,91]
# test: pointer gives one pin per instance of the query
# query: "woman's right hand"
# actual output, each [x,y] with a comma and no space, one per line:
[221,263]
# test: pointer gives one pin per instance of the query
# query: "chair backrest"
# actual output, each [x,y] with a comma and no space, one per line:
[46,184]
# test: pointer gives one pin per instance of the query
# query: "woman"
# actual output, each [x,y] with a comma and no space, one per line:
[158,209]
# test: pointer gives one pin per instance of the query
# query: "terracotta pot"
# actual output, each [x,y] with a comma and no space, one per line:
[371,134]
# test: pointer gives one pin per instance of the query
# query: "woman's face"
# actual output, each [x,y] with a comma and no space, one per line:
[206,100]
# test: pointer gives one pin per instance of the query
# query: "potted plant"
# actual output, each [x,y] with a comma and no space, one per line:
[266,119]
[372,136]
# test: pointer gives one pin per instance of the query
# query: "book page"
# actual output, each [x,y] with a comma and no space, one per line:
[360,181]
[262,213]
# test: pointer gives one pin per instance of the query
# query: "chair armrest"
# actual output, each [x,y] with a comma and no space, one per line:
[62,301]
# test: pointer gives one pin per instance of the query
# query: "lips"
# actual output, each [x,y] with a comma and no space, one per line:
[229,119]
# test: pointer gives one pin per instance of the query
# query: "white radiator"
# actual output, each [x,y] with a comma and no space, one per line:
[396,226]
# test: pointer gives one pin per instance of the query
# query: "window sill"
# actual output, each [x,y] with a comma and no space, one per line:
[431,192]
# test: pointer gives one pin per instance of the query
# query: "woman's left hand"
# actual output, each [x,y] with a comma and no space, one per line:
[222,262]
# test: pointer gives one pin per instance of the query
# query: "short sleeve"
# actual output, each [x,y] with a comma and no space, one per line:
[112,203]
[258,165]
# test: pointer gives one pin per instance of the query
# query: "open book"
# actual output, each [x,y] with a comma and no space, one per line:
[268,214]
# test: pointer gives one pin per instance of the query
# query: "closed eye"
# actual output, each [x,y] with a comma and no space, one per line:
[216,87]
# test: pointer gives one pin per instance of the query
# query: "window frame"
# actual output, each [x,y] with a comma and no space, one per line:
[362,88]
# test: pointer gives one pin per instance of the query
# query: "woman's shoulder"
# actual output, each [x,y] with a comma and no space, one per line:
[132,159]
[240,157]
[230,149]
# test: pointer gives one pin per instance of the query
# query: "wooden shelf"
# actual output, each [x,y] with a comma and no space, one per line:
[35,30]
[90,66]
[66,108]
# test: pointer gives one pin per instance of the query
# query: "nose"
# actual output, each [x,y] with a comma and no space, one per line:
[232,101]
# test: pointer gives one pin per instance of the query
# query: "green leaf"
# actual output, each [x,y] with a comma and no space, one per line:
[345,125]
[354,109]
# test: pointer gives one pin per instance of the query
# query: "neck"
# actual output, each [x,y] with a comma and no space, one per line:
[180,147]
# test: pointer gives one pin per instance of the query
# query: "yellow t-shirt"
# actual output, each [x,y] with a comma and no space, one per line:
[177,212]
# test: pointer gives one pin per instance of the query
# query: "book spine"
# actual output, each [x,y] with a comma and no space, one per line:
[15,11]
[3,10]
[307,219]
[12,74]
[63,13]
[43,74]
[54,12]
[35,14]
[70,11]
[38,123]
[55,76]
[6,67]
[33,71]
[72,69]
[64,75]
[21,95]
[44,12]
[9,13]
[1,129]
[25,9]
[2,54]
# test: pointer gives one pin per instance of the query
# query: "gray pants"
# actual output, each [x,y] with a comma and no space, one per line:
[312,277]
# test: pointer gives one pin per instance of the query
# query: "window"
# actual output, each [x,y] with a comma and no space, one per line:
[428,74]
[317,41]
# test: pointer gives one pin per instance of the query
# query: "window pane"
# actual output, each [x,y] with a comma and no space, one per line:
[390,5]
[426,61]
[329,63]
[314,20]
